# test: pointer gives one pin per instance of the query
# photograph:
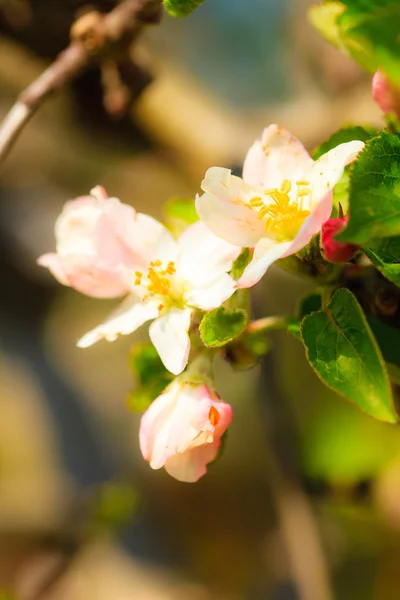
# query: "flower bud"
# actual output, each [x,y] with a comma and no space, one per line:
[386,94]
[333,250]
[93,243]
[182,429]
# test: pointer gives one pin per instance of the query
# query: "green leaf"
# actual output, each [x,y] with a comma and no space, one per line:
[219,327]
[367,30]
[151,375]
[311,302]
[181,8]
[347,133]
[343,352]
[374,201]
[240,263]
[179,213]
[388,339]
[385,255]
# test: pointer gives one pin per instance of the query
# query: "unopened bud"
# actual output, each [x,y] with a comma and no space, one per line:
[335,251]
[386,94]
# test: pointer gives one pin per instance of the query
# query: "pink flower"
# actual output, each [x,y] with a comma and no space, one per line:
[281,202]
[96,238]
[335,251]
[182,429]
[386,94]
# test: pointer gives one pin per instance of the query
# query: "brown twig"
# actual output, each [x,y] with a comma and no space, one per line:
[95,37]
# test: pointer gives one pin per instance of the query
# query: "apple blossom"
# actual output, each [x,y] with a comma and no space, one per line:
[97,236]
[181,430]
[281,202]
[179,277]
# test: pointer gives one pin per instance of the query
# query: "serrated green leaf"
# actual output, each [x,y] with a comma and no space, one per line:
[220,326]
[374,199]
[181,8]
[385,255]
[311,302]
[325,18]
[343,352]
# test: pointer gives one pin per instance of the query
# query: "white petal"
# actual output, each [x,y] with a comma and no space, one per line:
[327,170]
[169,334]
[203,257]
[151,239]
[223,208]
[265,254]
[278,155]
[212,295]
[129,316]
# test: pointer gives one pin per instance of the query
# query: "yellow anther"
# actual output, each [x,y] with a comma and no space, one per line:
[270,191]
[286,186]
[137,281]
[256,202]
[263,211]
[302,182]
[303,192]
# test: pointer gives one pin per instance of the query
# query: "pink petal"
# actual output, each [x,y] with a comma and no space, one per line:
[265,253]
[169,335]
[278,155]
[224,211]
[53,262]
[191,465]
[129,316]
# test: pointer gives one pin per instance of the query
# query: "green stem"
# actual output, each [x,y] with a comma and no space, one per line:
[268,324]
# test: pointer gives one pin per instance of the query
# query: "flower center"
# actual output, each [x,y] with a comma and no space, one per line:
[282,215]
[158,279]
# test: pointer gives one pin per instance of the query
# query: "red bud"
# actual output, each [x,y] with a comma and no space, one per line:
[335,251]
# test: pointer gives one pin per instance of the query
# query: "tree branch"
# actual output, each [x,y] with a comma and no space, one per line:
[95,37]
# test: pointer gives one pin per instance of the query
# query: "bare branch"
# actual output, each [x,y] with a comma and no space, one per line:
[95,37]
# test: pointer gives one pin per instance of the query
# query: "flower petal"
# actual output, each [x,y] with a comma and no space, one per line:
[278,155]
[204,257]
[328,169]
[224,210]
[169,334]
[265,254]
[192,464]
[212,295]
[129,316]
[54,263]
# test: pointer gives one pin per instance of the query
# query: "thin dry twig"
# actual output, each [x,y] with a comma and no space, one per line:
[95,37]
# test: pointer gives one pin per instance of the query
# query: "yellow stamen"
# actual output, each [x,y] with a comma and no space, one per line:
[303,192]
[256,202]
[302,182]
[286,186]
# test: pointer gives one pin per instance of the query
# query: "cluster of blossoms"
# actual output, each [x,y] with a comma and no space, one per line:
[106,249]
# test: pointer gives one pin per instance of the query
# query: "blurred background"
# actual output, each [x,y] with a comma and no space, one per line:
[82,516]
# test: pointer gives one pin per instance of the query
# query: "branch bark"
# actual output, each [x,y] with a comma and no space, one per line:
[95,37]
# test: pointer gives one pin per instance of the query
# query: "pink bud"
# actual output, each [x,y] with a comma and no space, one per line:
[386,94]
[182,429]
[335,251]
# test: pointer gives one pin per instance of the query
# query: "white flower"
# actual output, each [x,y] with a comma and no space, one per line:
[281,202]
[179,277]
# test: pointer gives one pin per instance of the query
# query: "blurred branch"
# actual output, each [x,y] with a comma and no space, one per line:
[95,38]
[296,515]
